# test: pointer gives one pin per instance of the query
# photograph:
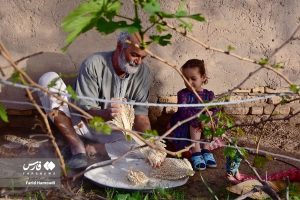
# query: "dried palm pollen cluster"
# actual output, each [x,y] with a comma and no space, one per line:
[125,118]
[30,143]
[155,156]
[137,177]
[173,169]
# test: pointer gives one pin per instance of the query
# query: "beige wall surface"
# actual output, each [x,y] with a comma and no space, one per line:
[256,28]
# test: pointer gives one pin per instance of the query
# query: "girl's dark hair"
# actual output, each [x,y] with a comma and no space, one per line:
[196,63]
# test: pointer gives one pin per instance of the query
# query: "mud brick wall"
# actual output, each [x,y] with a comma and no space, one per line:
[253,110]
[264,106]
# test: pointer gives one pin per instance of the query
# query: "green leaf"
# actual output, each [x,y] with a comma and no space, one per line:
[220,131]
[230,152]
[197,17]
[86,15]
[112,8]
[278,65]
[128,137]
[263,61]
[186,25]
[204,118]
[3,113]
[229,122]
[153,19]
[181,11]
[207,131]
[98,124]
[53,82]
[151,6]
[259,161]
[230,48]
[163,40]
[150,133]
[161,28]
[240,131]
[244,152]
[122,196]
[16,77]
[107,27]
[295,88]
[72,92]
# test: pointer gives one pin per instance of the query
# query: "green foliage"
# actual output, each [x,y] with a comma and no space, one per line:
[157,194]
[150,133]
[71,91]
[91,14]
[16,77]
[100,14]
[230,48]
[128,137]
[181,14]
[163,40]
[207,131]
[204,118]
[161,28]
[259,161]
[278,65]
[263,61]
[186,25]
[53,82]
[108,26]
[295,88]
[99,125]
[294,189]
[244,152]
[150,6]
[3,113]
[219,132]
[35,195]
[230,152]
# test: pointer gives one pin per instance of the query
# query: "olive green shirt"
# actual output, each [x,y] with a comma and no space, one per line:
[97,79]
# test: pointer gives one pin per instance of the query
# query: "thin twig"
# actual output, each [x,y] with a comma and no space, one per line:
[7,56]
[207,47]
[24,58]
[208,188]
[286,42]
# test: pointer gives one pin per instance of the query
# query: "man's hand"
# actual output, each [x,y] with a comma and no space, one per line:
[109,113]
[114,108]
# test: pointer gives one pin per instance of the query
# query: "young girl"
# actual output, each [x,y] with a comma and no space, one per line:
[194,72]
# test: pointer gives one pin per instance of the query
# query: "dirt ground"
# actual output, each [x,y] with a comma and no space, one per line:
[280,138]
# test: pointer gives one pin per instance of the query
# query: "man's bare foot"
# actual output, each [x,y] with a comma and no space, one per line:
[96,150]
[90,151]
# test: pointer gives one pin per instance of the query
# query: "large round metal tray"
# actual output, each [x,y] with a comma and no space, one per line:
[115,175]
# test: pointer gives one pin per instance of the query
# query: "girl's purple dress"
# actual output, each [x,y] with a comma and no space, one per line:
[186,96]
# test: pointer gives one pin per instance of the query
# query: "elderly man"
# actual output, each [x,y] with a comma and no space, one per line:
[105,75]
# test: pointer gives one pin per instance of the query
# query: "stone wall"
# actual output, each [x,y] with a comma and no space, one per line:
[252,110]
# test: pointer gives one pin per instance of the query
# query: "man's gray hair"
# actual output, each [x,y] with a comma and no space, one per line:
[123,37]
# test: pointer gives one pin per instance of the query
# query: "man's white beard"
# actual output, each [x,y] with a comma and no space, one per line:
[128,67]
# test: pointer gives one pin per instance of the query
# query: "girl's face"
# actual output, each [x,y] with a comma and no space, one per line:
[194,78]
